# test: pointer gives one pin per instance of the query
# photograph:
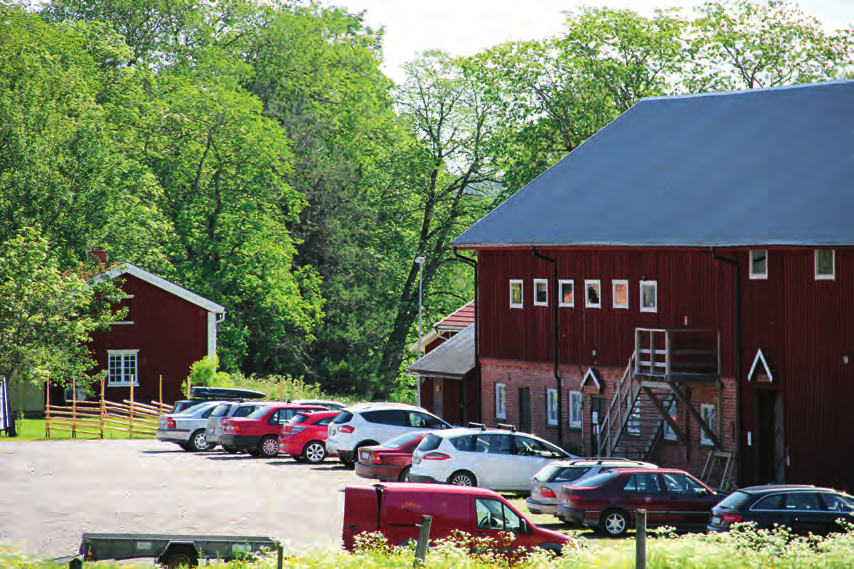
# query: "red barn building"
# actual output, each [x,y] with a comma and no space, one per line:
[167,328]
[682,283]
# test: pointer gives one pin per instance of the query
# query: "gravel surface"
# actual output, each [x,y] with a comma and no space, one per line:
[53,491]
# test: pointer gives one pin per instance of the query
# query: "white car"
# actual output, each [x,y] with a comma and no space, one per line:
[369,424]
[490,458]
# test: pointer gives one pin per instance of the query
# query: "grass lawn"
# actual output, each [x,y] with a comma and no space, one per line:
[33,430]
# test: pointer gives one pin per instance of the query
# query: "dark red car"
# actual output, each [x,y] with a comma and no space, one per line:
[304,437]
[608,501]
[391,460]
[258,433]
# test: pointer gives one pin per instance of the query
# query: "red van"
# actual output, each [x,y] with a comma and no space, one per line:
[395,509]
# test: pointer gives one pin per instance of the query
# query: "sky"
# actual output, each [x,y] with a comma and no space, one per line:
[465,27]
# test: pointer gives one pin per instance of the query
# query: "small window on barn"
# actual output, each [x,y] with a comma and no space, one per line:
[122,367]
[551,406]
[567,293]
[593,294]
[516,294]
[759,264]
[575,403]
[500,401]
[541,292]
[709,414]
[649,296]
[621,294]
[825,264]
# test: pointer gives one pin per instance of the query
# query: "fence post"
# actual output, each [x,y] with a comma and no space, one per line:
[423,538]
[74,408]
[640,539]
[160,400]
[130,421]
[103,411]
[47,407]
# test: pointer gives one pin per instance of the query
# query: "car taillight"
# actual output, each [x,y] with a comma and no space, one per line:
[547,492]
[731,518]
[170,423]
[436,456]
[346,429]
[377,459]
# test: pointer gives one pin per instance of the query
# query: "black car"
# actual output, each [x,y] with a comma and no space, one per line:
[803,509]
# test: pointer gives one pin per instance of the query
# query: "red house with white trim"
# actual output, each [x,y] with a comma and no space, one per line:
[681,284]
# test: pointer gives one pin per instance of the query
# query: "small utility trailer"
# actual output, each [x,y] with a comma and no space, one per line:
[172,550]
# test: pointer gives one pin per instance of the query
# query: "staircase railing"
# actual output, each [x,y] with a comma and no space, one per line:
[615,416]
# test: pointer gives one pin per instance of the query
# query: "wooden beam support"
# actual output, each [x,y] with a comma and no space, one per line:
[697,417]
[683,438]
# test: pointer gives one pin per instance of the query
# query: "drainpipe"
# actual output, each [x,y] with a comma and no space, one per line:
[739,414]
[473,264]
[555,341]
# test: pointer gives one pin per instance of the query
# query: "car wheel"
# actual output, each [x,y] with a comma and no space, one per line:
[614,523]
[404,475]
[268,447]
[198,441]
[314,452]
[180,556]
[462,478]
[230,449]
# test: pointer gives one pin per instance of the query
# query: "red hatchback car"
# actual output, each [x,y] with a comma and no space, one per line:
[391,460]
[304,437]
[608,501]
[258,433]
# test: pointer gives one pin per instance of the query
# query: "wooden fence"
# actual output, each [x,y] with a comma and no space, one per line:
[94,418]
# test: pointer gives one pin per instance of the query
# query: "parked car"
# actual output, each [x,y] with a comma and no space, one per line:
[304,436]
[804,509]
[187,428]
[390,461]
[609,500]
[370,424]
[202,394]
[395,510]
[223,411]
[490,458]
[258,432]
[547,484]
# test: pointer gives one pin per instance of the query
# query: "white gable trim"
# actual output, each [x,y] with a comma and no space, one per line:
[591,374]
[760,357]
[151,278]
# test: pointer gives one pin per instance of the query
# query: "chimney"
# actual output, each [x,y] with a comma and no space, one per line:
[101,255]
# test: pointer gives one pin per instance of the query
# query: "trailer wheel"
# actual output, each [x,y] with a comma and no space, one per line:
[180,556]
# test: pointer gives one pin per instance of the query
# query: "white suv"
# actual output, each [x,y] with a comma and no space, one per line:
[491,458]
[369,424]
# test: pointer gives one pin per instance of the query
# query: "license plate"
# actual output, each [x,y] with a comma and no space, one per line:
[716,520]
[416,460]
[365,456]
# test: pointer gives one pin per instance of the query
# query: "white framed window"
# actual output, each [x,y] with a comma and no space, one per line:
[516,294]
[541,292]
[709,413]
[649,296]
[759,264]
[500,401]
[592,294]
[825,264]
[567,292]
[620,293]
[575,409]
[633,426]
[668,433]
[122,367]
[551,406]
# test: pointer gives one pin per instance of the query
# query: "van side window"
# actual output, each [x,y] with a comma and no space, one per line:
[422,421]
[465,443]
[493,514]
[499,444]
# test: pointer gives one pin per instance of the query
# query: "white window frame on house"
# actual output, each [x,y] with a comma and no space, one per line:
[668,433]
[571,284]
[500,401]
[125,377]
[614,285]
[824,276]
[551,406]
[654,285]
[576,407]
[537,283]
[587,284]
[521,303]
[755,275]
[705,408]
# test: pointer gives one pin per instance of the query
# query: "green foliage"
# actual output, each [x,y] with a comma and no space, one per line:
[203,372]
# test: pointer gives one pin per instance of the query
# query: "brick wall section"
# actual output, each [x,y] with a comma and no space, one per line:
[539,377]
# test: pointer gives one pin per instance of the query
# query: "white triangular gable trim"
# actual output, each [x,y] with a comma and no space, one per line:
[160,282]
[760,357]
[591,374]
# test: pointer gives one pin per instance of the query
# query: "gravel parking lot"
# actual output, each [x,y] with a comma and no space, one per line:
[53,491]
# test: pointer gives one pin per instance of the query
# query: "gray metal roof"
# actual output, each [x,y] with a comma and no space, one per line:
[453,359]
[760,167]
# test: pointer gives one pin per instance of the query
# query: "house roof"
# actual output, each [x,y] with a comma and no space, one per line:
[160,282]
[453,359]
[459,319]
[759,167]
